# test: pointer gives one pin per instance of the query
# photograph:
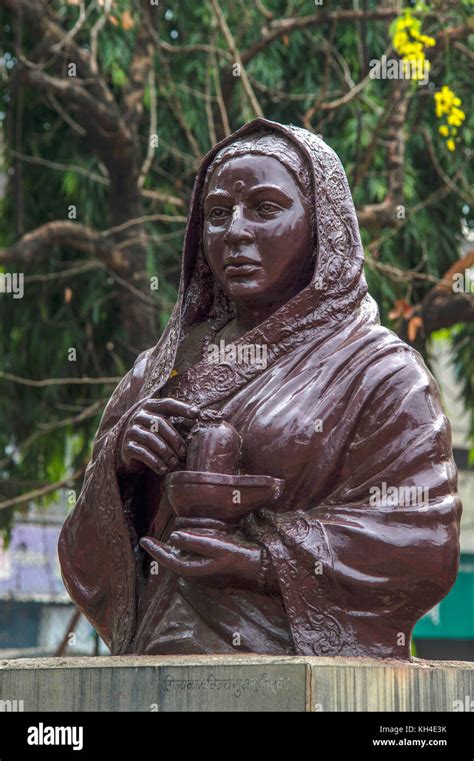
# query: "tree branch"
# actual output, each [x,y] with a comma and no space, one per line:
[238,59]
[42,491]
[442,307]
[280,27]
[153,195]
[40,17]
[385,213]
[275,29]
[140,67]
[167,47]
[59,381]
[61,232]
[150,154]
[38,160]
[71,90]
[462,264]
[441,310]
[91,411]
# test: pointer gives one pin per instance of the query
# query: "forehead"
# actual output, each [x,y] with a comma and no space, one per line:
[251,170]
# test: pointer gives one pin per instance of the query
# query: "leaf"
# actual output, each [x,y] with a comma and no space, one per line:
[70,183]
[401,308]
[127,21]
[414,326]
[119,77]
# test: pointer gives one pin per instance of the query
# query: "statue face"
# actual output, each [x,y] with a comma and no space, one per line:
[257,230]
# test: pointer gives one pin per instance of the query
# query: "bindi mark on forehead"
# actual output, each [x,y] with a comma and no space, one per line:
[238,185]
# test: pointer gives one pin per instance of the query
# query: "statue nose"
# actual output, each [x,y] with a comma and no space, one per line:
[238,231]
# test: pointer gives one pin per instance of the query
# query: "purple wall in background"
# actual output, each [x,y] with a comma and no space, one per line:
[29,568]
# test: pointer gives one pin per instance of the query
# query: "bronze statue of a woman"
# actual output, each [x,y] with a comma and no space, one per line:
[275,475]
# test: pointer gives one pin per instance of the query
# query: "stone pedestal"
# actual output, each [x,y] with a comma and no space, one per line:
[234,683]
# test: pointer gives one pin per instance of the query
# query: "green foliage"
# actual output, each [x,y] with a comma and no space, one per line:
[462,342]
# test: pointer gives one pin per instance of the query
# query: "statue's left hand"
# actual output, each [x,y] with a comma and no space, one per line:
[211,557]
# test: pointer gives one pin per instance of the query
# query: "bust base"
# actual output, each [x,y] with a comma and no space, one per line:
[235,683]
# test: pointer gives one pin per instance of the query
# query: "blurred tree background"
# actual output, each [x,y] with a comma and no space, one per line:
[107,107]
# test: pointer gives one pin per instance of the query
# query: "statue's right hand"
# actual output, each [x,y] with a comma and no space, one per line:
[151,440]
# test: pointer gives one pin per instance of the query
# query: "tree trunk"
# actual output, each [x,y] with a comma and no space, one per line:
[129,237]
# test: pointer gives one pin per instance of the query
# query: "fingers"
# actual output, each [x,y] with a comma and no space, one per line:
[161,428]
[154,444]
[209,545]
[159,449]
[152,461]
[167,556]
[172,407]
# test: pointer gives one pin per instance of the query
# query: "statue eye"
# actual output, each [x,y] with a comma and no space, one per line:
[218,212]
[268,209]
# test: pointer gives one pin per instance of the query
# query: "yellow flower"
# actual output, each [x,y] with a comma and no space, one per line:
[426,40]
[173,373]
[451,145]
[458,113]
[406,22]
[454,121]
[410,45]
[447,103]
[400,39]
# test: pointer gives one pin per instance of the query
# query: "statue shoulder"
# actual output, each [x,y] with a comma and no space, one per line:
[397,375]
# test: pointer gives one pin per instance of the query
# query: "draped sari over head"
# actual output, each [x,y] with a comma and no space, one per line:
[342,410]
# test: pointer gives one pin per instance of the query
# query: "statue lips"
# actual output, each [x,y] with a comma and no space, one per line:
[241,270]
[240,266]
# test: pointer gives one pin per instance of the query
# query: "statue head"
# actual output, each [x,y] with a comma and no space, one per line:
[303,246]
[258,230]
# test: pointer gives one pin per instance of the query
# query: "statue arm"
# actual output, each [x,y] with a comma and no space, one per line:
[364,566]
[97,544]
